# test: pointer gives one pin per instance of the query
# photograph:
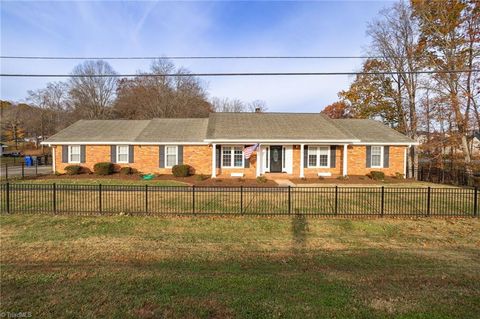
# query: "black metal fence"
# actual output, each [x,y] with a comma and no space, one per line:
[40,166]
[315,201]
[459,177]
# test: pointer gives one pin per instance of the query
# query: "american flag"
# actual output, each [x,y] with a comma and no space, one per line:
[248,151]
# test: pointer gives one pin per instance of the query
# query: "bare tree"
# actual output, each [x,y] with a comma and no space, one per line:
[92,97]
[227,105]
[12,121]
[51,105]
[395,37]
[161,96]
[237,105]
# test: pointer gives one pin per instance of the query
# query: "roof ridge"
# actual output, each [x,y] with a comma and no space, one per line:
[179,118]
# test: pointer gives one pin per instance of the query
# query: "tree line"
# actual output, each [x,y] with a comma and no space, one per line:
[84,96]
[442,109]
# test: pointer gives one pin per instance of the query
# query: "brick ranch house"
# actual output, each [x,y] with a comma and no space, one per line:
[289,144]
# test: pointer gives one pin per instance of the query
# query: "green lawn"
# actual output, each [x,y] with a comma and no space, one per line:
[144,267]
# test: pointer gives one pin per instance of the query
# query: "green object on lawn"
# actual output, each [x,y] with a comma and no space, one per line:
[148,176]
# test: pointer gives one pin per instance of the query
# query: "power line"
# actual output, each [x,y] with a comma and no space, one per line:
[184,57]
[230,74]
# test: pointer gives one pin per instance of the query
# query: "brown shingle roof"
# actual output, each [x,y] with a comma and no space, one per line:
[141,131]
[370,131]
[174,130]
[274,126]
[100,131]
[254,127]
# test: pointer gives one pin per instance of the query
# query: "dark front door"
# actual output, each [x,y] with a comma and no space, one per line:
[275,159]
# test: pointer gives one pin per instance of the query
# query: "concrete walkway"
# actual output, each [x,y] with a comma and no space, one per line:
[284,182]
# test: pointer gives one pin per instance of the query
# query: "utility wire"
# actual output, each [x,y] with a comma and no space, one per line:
[116,75]
[182,57]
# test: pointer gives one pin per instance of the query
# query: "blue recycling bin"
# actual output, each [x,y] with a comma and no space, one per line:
[28,160]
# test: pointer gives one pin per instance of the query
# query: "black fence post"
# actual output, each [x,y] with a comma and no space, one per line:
[193,199]
[428,201]
[6,171]
[54,198]
[289,199]
[23,170]
[100,198]
[36,167]
[146,198]
[8,198]
[475,201]
[383,201]
[336,199]
[241,200]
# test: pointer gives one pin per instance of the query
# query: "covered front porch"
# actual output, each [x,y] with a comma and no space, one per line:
[277,160]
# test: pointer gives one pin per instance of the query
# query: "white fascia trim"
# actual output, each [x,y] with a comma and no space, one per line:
[386,143]
[283,141]
[123,143]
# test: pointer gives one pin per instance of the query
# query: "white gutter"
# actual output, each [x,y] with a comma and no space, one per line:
[278,141]
[123,143]
[207,142]
[387,143]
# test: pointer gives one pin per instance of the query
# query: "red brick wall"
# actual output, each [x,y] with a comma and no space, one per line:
[249,172]
[200,158]
[357,161]
[145,158]
[313,172]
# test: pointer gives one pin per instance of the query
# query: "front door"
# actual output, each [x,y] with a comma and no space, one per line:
[276,159]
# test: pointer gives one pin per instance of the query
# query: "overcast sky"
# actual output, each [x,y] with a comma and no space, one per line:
[194,28]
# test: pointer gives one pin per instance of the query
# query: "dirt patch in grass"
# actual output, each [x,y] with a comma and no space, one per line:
[384,305]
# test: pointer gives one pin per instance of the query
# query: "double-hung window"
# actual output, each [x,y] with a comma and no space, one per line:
[74,154]
[232,156]
[171,156]
[122,154]
[318,156]
[376,156]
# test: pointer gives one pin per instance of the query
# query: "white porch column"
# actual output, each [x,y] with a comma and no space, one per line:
[405,163]
[259,160]
[345,162]
[302,149]
[214,161]
[54,148]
